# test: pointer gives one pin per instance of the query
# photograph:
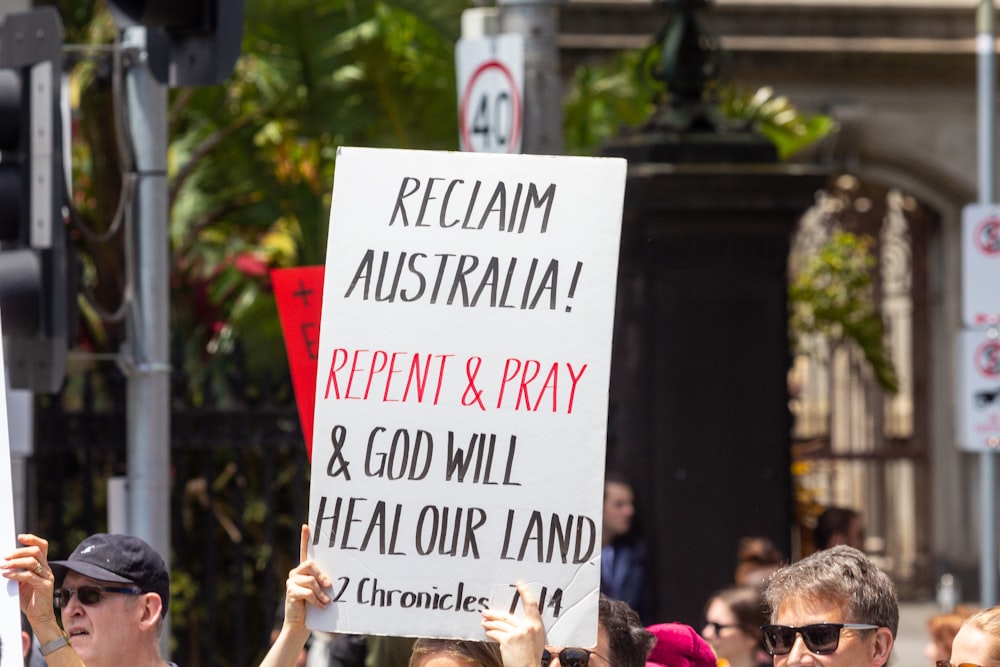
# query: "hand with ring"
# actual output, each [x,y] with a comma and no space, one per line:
[27,566]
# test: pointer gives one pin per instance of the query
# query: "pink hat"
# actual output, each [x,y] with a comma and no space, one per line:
[678,645]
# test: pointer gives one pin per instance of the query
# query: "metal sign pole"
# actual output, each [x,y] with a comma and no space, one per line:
[985,47]
[538,22]
[148,409]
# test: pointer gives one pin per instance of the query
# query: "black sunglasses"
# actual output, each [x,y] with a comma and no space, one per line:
[819,638]
[945,663]
[719,627]
[88,595]
[571,657]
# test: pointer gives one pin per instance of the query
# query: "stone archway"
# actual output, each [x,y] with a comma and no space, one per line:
[855,445]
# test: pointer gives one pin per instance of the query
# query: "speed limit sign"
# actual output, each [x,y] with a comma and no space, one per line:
[490,93]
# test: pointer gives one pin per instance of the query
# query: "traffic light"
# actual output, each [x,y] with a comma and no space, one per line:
[37,301]
[190,42]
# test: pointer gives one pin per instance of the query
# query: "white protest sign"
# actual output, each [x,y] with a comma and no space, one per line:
[10,606]
[980,265]
[490,73]
[979,391]
[462,390]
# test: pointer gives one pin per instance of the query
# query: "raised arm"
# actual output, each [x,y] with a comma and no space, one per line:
[29,567]
[305,584]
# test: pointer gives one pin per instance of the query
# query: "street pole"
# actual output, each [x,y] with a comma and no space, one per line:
[985,48]
[538,22]
[148,362]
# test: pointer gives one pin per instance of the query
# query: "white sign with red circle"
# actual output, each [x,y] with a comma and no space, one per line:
[979,391]
[490,74]
[981,265]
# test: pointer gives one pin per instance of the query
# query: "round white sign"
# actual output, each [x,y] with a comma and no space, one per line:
[489,113]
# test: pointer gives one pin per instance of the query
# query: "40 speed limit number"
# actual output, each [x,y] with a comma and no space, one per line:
[490,110]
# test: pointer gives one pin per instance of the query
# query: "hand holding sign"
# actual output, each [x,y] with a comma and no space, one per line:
[28,566]
[305,585]
[521,638]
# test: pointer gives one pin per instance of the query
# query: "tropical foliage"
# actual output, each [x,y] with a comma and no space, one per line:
[251,163]
[832,294]
[609,98]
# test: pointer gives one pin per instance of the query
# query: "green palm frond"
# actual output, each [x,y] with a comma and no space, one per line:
[776,118]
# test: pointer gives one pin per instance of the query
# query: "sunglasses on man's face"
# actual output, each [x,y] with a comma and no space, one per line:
[945,663]
[88,595]
[819,638]
[571,657]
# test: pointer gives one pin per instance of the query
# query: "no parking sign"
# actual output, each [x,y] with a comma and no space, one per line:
[490,74]
[979,391]
[981,265]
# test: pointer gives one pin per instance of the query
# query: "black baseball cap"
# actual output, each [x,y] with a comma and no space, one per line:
[122,559]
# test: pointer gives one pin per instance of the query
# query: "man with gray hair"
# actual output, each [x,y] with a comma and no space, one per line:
[834,608]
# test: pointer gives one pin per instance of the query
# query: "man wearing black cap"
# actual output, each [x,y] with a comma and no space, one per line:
[112,592]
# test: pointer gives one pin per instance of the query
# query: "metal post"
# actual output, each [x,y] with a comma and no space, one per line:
[538,22]
[20,422]
[985,41]
[148,409]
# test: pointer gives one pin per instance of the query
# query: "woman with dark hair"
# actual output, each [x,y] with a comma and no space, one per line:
[733,617]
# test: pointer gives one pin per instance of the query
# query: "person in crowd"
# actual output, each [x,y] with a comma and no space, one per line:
[455,653]
[941,631]
[840,525]
[977,641]
[623,555]
[112,594]
[679,645]
[834,608]
[622,640]
[733,618]
[756,559]
[520,640]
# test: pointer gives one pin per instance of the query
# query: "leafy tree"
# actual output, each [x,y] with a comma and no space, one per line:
[251,164]
[832,294]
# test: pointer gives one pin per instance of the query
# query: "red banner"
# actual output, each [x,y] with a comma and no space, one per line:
[299,295]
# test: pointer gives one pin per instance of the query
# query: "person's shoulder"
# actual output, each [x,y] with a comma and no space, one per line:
[631,542]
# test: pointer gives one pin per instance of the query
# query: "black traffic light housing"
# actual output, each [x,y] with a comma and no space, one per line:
[37,285]
[190,42]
